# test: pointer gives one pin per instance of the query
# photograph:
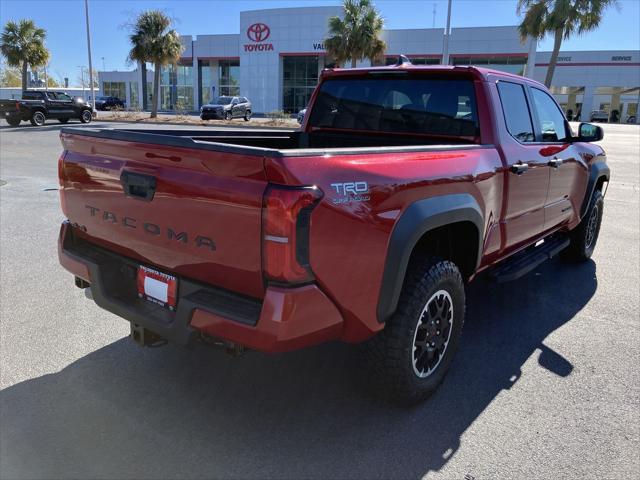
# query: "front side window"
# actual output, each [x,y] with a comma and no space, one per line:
[550,117]
[398,105]
[516,111]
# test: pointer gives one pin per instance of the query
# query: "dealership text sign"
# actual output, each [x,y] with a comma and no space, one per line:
[258,33]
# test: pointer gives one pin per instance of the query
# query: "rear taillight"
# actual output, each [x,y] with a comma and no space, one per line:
[286,219]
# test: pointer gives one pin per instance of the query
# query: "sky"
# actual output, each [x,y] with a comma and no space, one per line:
[64,21]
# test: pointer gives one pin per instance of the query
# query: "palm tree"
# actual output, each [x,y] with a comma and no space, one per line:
[153,41]
[563,18]
[22,44]
[357,36]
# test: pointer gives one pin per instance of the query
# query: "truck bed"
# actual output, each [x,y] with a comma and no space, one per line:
[270,142]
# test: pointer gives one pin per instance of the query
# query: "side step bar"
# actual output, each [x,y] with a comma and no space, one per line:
[523,262]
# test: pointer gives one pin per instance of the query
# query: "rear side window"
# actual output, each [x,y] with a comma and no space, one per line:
[31,96]
[550,117]
[403,105]
[516,111]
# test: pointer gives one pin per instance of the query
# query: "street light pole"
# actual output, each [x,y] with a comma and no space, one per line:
[86,12]
[447,34]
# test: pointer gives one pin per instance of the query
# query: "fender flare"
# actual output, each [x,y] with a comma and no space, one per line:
[596,172]
[419,218]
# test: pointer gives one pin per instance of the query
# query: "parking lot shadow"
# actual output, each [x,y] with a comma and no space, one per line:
[126,412]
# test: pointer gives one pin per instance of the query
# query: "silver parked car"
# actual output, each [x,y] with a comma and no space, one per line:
[301,114]
[227,108]
[599,116]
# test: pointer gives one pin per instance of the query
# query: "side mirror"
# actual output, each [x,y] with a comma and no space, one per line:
[588,132]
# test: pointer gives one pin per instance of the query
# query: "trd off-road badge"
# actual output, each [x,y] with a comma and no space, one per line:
[350,192]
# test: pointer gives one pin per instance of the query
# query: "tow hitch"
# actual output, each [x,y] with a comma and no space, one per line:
[146,338]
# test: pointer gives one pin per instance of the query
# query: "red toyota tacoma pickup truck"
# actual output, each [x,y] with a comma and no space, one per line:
[364,226]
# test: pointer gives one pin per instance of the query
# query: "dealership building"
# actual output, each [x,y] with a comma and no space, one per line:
[277,57]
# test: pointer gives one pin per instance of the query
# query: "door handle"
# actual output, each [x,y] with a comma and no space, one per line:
[555,162]
[519,168]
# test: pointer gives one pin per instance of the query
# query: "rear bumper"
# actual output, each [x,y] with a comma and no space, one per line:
[212,114]
[286,319]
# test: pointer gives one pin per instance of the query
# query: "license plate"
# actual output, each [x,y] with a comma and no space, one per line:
[157,287]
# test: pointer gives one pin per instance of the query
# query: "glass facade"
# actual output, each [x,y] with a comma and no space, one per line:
[205,81]
[176,87]
[300,77]
[133,94]
[228,77]
[114,89]
[511,64]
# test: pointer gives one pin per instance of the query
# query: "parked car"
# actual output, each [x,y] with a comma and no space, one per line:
[301,114]
[36,106]
[632,119]
[364,227]
[109,103]
[227,108]
[599,116]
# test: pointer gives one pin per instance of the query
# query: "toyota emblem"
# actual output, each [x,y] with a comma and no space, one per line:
[258,32]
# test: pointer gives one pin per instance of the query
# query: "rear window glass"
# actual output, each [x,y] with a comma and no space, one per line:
[403,105]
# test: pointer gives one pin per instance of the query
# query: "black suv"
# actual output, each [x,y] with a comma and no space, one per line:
[108,103]
[227,108]
[37,106]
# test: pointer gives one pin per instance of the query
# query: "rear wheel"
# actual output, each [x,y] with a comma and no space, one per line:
[410,357]
[247,115]
[38,118]
[585,236]
[14,122]
[85,116]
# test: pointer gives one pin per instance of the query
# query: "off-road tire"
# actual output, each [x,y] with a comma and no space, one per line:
[584,237]
[38,118]
[247,115]
[389,356]
[13,122]
[86,116]
[63,120]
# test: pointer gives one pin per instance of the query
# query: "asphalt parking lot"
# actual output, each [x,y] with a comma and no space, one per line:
[546,383]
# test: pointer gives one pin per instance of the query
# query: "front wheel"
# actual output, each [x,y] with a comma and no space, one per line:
[247,115]
[37,119]
[228,116]
[85,116]
[409,359]
[584,237]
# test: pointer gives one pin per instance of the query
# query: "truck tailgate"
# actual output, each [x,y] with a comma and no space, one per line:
[194,213]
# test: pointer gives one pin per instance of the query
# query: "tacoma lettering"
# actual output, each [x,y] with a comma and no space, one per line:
[154,229]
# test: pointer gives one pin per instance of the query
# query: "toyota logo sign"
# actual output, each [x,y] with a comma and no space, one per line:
[258,32]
